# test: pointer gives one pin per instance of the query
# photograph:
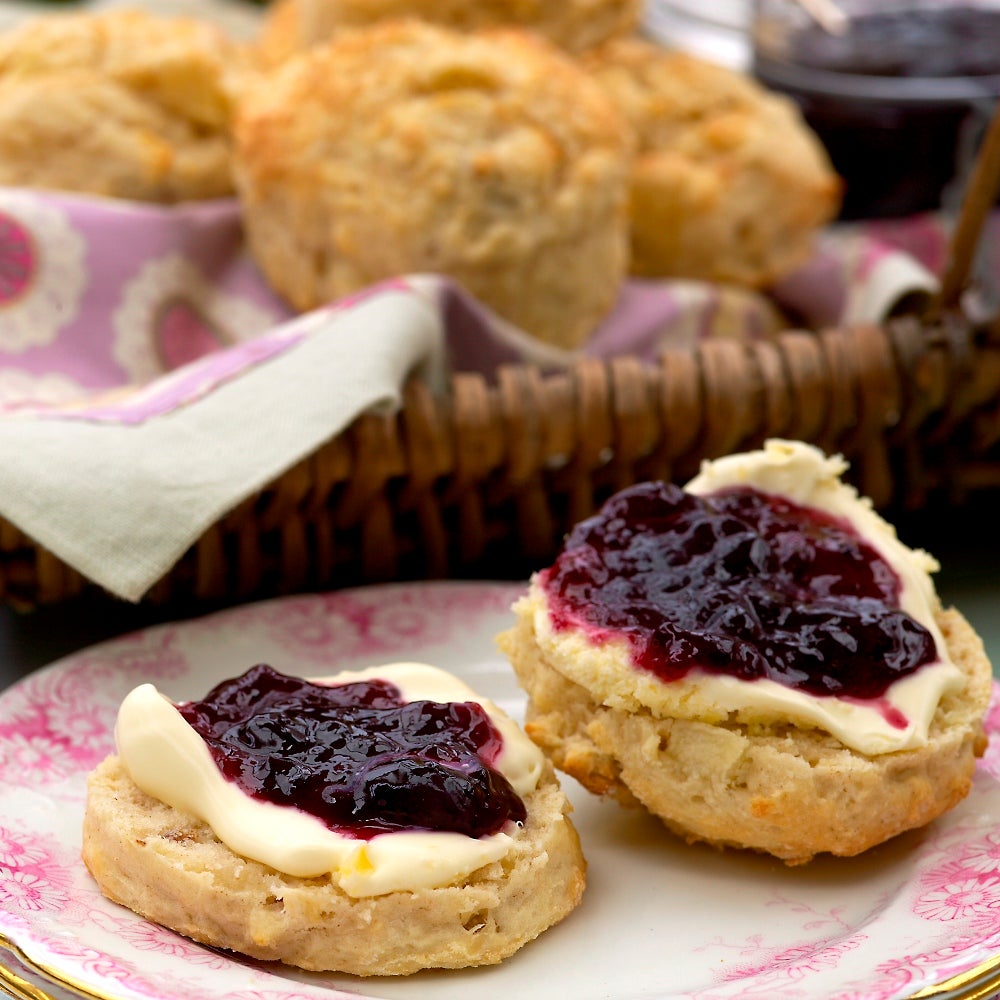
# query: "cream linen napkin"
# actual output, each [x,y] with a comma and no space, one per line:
[150,380]
[121,502]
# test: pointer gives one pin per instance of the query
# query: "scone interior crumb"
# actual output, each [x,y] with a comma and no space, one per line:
[170,868]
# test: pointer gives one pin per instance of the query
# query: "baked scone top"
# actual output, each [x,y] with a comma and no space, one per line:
[181,64]
[729,183]
[490,157]
[575,25]
[494,121]
[120,103]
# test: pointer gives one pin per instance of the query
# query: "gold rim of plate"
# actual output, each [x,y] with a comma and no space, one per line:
[14,983]
[978,983]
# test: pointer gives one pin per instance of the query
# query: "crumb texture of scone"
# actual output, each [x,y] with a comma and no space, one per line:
[793,792]
[729,184]
[490,157]
[574,25]
[121,103]
[170,868]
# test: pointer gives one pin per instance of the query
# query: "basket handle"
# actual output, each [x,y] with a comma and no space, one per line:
[979,198]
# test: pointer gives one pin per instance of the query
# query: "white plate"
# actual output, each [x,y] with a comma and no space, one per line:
[659,919]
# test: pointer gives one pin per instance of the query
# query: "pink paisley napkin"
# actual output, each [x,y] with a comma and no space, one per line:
[150,380]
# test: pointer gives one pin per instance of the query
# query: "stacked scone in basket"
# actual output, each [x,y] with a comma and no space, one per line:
[537,155]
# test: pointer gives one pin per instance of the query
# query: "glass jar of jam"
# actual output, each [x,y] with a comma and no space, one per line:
[899,91]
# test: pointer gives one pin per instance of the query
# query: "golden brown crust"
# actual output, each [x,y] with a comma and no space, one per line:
[281,33]
[170,868]
[403,148]
[575,25]
[788,791]
[729,184]
[122,103]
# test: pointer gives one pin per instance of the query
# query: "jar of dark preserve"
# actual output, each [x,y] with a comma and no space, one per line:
[899,91]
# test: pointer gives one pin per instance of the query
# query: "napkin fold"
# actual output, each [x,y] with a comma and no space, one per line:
[121,492]
[150,380]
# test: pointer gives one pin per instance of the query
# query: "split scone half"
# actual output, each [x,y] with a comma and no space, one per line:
[168,835]
[792,730]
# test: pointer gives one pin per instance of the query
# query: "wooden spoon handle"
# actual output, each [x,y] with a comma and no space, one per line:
[977,202]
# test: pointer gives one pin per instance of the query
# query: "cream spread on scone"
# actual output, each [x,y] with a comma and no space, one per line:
[169,760]
[899,719]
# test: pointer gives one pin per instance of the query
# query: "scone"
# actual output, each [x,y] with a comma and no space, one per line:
[575,25]
[729,184]
[375,823]
[489,157]
[122,103]
[757,660]
[281,35]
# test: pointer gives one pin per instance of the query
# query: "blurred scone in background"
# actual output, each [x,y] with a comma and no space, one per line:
[574,25]
[728,182]
[404,147]
[536,153]
[123,103]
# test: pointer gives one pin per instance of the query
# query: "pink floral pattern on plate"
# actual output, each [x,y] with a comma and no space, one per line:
[661,919]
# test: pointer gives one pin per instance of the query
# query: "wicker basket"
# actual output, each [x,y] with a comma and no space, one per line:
[486,481]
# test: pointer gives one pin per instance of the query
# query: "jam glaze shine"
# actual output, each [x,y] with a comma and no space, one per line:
[357,755]
[168,760]
[738,582]
[603,658]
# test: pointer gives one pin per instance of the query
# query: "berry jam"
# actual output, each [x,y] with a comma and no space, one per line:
[942,40]
[899,99]
[356,756]
[740,583]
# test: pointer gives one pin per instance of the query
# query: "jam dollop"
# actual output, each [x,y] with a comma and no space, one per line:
[356,755]
[737,582]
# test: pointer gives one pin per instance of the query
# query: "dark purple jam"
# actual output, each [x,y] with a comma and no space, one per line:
[741,583]
[944,40]
[356,755]
[900,99]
